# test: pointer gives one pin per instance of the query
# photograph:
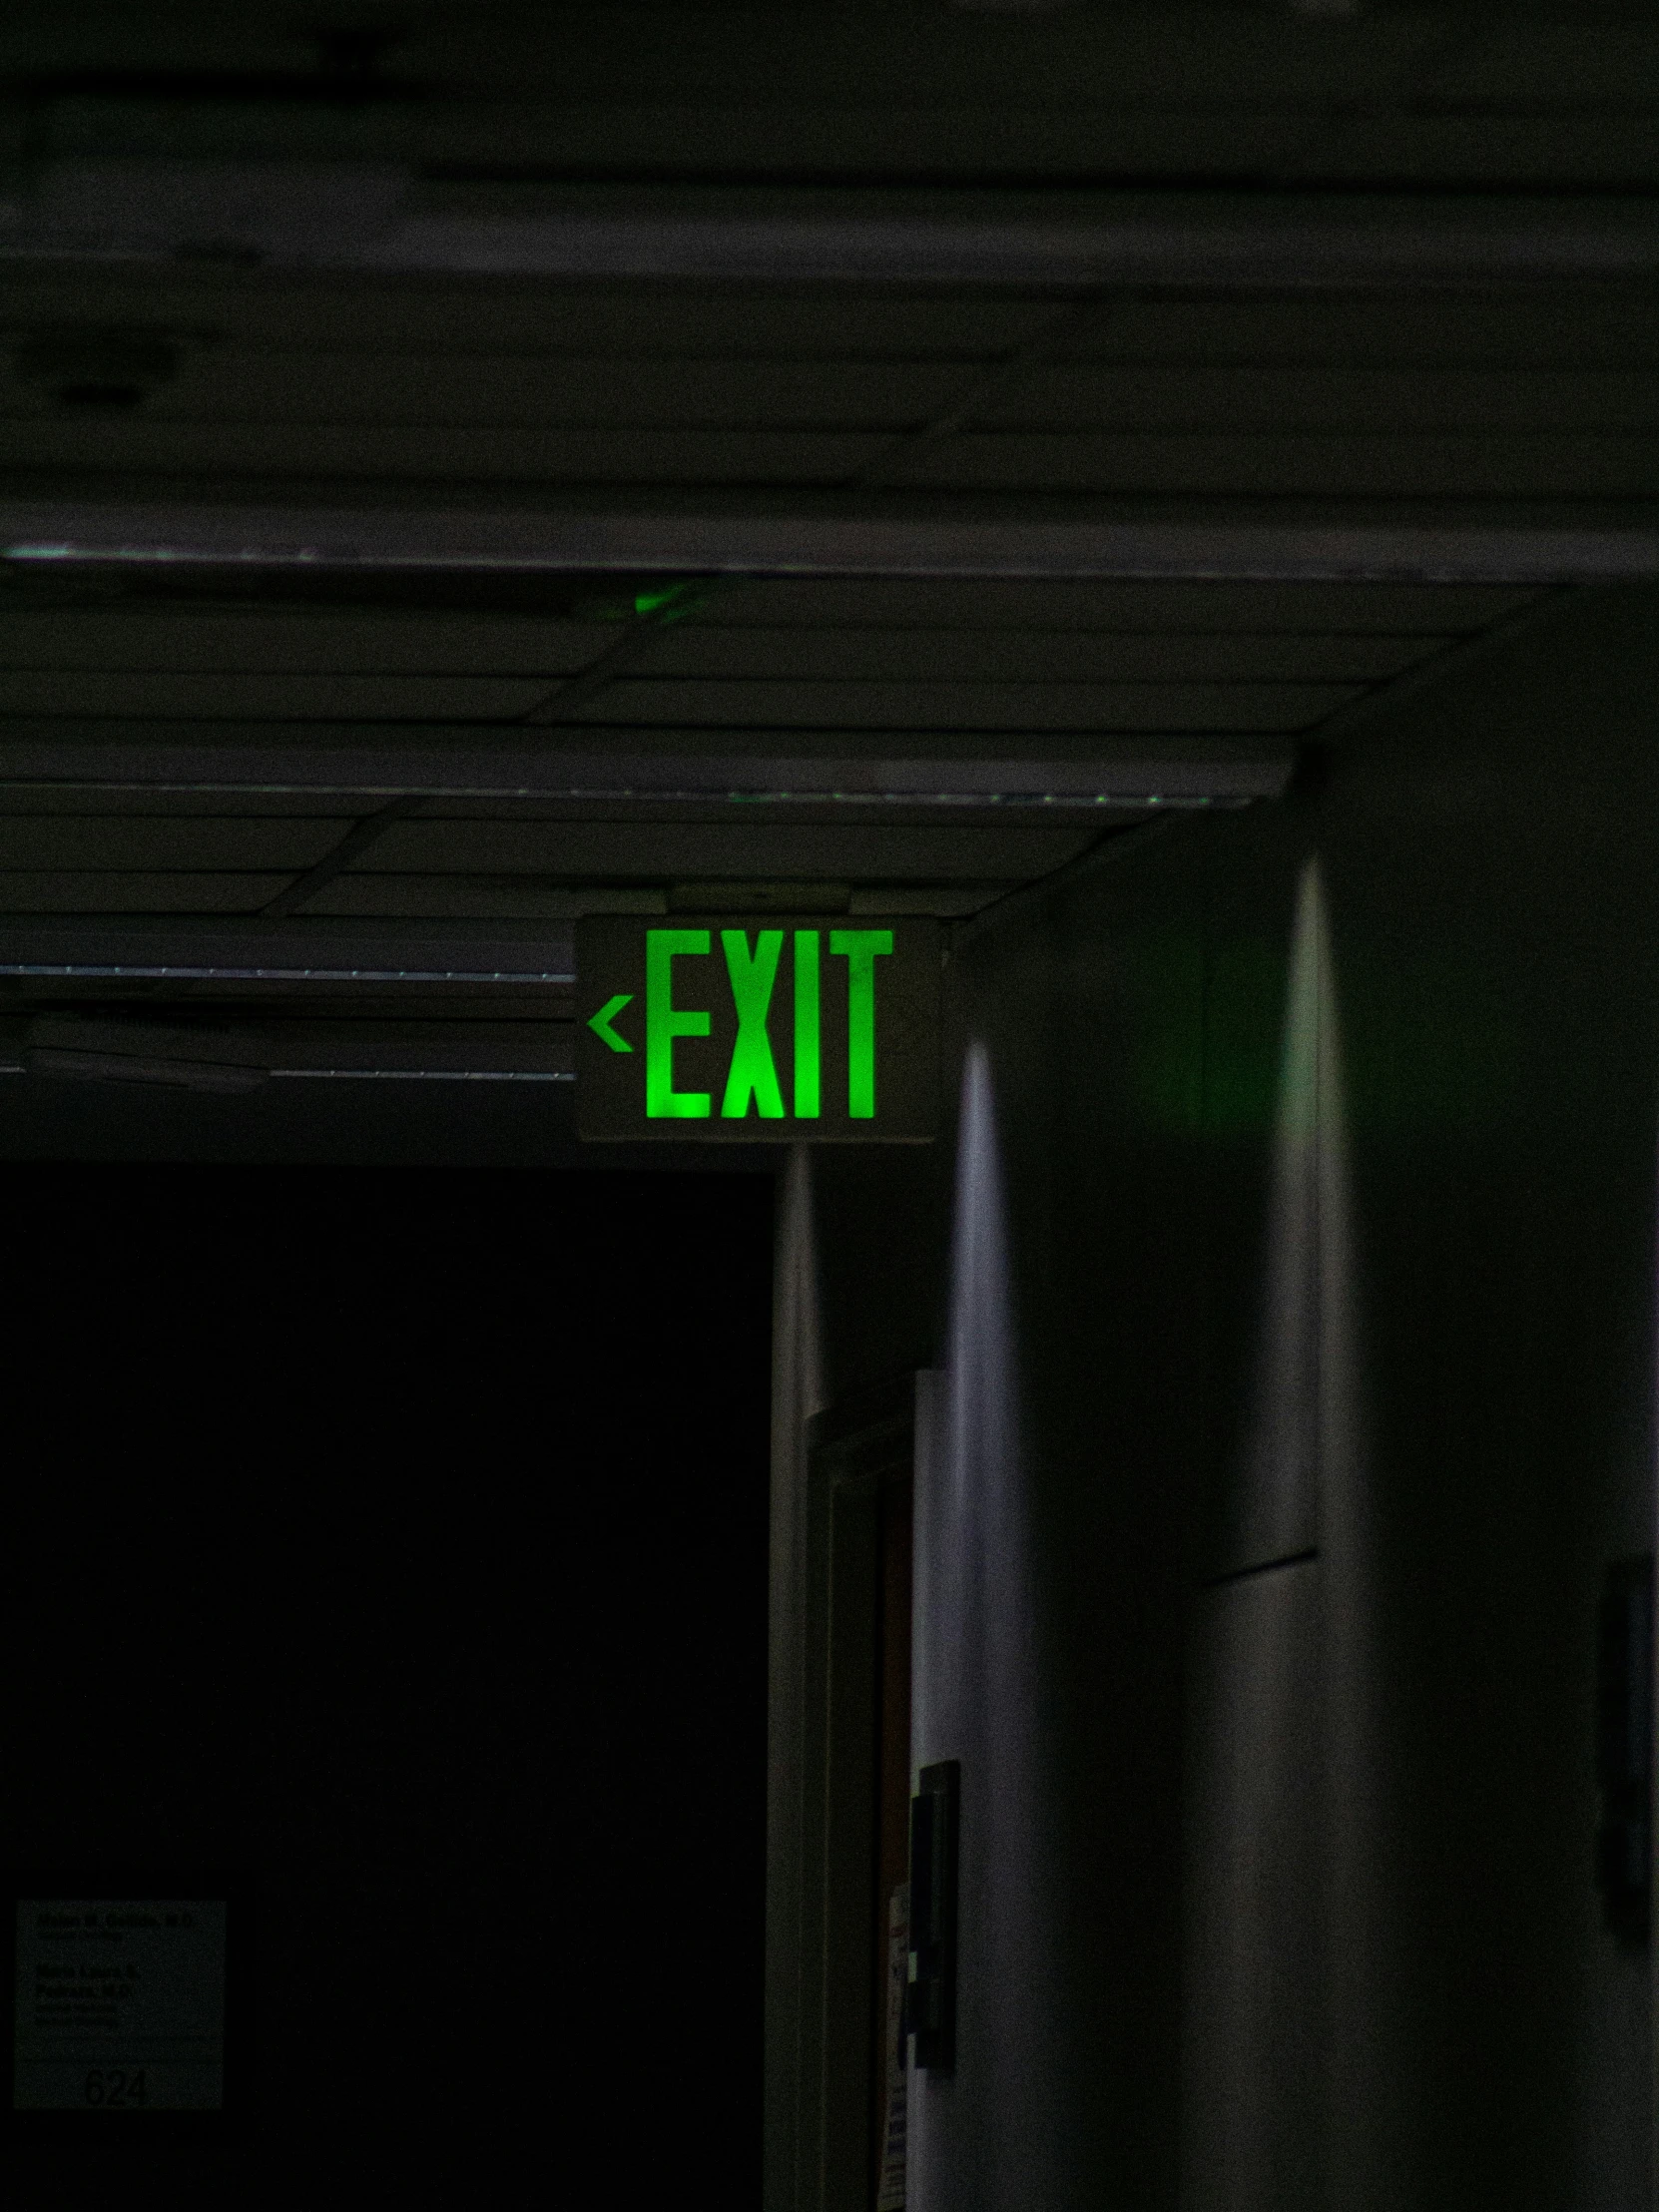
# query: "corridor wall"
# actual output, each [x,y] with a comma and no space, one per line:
[1288,1290]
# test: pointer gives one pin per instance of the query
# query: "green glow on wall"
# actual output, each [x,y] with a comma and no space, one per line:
[861,948]
[671,600]
[806,1044]
[663,1024]
[753,1074]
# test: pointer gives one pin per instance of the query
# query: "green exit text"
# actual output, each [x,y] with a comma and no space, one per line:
[751,1083]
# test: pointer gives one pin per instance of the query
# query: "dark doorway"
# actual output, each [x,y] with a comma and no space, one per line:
[856,1800]
[398,1540]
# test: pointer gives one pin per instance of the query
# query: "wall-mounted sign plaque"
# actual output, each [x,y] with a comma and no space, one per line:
[738,1029]
[119,2005]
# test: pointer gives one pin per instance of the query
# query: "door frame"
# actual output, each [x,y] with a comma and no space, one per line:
[823,1833]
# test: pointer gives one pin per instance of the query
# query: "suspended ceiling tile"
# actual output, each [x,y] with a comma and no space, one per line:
[466,452]
[268,696]
[190,652]
[1071,606]
[940,707]
[1324,397]
[446,897]
[175,639]
[525,395]
[67,892]
[732,849]
[1566,464]
[1044,657]
[42,842]
[1428,327]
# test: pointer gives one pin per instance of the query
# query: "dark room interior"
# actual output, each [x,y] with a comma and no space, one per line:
[376,1552]
[830,1104]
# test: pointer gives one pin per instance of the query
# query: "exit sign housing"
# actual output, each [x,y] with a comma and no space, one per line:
[739,1028]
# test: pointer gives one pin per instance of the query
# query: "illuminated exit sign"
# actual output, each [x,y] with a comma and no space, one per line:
[748,1029]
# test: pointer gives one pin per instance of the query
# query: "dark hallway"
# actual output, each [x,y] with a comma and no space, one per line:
[380,1557]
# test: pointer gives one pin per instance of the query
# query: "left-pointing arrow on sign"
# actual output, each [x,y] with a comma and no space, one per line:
[600,1023]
